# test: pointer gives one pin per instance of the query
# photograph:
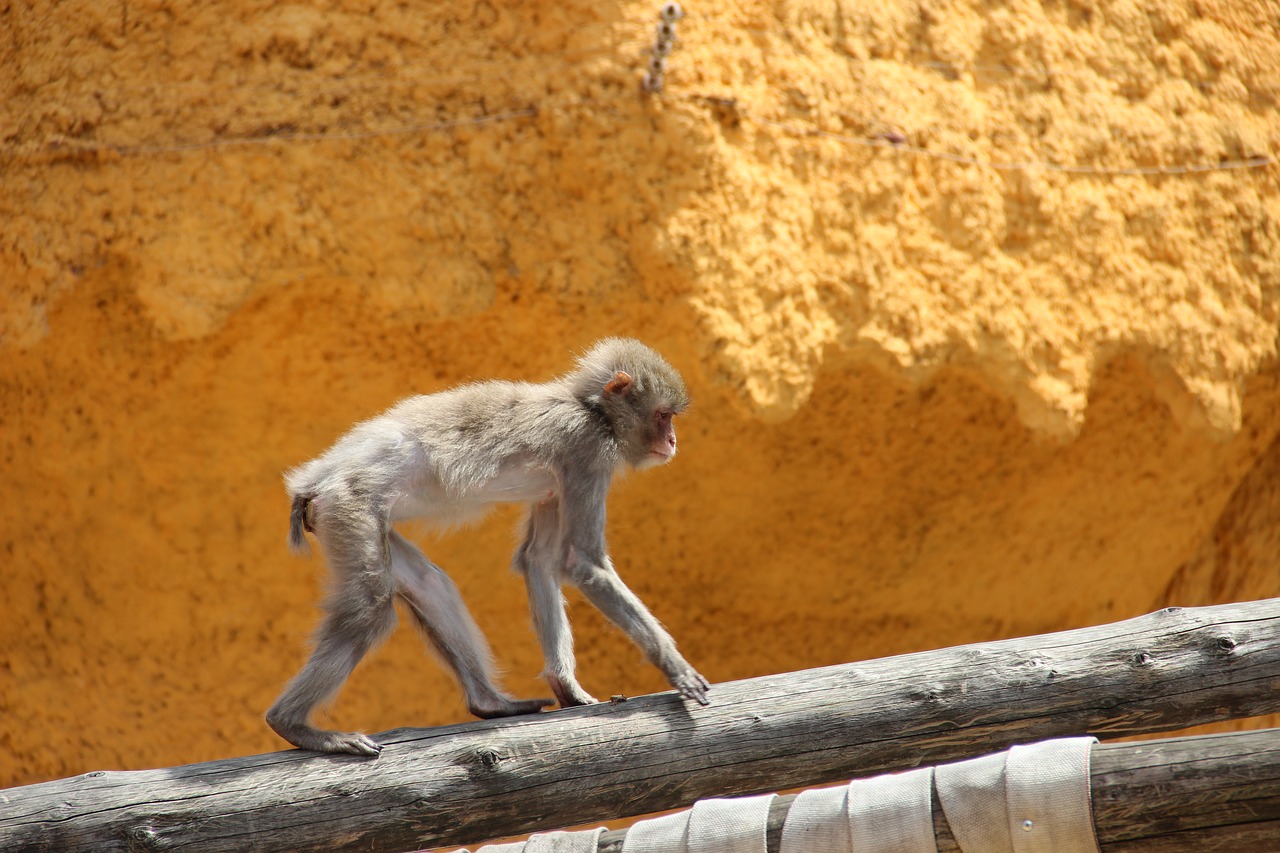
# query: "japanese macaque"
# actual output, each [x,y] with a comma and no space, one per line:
[449,457]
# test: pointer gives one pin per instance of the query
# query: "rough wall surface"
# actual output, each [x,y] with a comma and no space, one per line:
[975,352]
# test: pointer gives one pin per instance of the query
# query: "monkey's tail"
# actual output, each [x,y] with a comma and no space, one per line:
[298,521]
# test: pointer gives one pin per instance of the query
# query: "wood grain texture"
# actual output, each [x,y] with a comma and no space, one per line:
[1212,793]
[467,783]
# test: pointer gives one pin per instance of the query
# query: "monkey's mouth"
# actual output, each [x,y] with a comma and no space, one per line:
[664,455]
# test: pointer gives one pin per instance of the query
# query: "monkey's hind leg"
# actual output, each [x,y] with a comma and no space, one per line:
[360,614]
[438,609]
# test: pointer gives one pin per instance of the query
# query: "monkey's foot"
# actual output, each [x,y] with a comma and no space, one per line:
[569,693]
[306,737]
[353,743]
[503,706]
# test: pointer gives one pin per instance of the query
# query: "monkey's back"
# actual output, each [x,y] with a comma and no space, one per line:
[448,456]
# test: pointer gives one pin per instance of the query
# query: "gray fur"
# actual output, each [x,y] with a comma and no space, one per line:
[449,457]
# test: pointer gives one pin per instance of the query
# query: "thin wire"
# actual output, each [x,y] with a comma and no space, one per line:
[69,149]
[1255,162]
[267,139]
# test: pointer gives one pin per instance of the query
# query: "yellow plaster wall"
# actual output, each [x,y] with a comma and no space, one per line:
[936,401]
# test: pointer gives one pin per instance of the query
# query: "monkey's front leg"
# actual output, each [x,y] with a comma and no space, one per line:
[551,624]
[536,559]
[603,588]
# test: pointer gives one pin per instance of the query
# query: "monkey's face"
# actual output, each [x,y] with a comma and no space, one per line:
[659,444]
[653,440]
[644,420]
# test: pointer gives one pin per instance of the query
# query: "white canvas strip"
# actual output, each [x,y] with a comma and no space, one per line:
[583,841]
[893,813]
[666,834]
[818,822]
[735,825]
[972,797]
[1047,797]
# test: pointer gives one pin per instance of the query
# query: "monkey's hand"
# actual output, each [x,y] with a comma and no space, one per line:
[690,683]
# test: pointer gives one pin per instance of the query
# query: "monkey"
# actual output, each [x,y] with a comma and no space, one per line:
[447,458]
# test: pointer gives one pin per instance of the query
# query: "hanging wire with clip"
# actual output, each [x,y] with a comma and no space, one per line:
[663,42]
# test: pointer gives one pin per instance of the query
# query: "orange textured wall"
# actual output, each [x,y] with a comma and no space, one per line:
[967,364]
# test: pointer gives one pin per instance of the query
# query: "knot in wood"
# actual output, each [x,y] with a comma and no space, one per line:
[933,693]
[488,757]
[1222,645]
[143,839]
[1142,659]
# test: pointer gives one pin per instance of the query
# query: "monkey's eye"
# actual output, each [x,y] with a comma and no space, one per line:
[663,415]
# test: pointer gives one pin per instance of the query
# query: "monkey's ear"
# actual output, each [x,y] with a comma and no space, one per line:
[619,384]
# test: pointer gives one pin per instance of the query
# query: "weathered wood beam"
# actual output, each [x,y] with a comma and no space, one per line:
[1183,795]
[1188,795]
[466,783]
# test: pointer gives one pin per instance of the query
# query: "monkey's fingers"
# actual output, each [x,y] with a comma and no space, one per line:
[693,686]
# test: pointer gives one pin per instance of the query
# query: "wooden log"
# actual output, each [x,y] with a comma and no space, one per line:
[466,783]
[1183,795]
[1211,793]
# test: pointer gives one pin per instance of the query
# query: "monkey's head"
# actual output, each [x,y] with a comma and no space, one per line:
[640,395]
